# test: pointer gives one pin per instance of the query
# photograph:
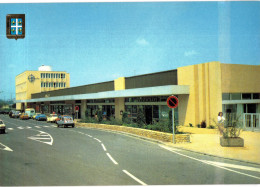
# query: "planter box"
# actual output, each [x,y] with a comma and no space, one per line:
[231,142]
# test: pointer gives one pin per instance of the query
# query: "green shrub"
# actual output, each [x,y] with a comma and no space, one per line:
[99,115]
[125,118]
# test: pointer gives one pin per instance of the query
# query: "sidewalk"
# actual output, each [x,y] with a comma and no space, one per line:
[207,141]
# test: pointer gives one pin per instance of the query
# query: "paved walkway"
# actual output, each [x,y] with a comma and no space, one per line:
[207,141]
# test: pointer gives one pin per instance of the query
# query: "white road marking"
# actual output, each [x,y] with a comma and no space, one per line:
[20,127]
[38,127]
[80,132]
[97,140]
[39,138]
[5,148]
[28,127]
[89,136]
[234,166]
[10,129]
[54,125]
[104,147]
[46,126]
[169,148]
[133,177]
[111,158]
[205,162]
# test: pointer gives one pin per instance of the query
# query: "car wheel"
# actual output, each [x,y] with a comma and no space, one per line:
[73,126]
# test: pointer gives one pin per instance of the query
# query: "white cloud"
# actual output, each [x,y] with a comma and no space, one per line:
[190,53]
[142,42]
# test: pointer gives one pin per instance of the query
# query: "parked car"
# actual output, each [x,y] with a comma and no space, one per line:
[35,115]
[41,117]
[16,114]
[24,116]
[2,126]
[59,118]
[65,121]
[52,118]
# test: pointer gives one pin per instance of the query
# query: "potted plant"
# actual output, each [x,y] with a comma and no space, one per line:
[230,130]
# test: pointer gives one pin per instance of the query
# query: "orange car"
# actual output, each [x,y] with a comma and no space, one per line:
[24,116]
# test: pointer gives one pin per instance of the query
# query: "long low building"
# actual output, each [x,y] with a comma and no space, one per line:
[203,90]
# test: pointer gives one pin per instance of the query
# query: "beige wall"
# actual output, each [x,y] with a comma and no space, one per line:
[240,78]
[205,99]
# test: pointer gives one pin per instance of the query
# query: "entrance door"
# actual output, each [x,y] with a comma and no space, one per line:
[148,114]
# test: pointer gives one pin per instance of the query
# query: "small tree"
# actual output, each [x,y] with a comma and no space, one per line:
[140,120]
[99,115]
[231,127]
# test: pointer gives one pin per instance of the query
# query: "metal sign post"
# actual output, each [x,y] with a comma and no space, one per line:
[172,103]
[173,127]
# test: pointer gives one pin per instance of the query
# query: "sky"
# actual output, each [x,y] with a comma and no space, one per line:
[98,42]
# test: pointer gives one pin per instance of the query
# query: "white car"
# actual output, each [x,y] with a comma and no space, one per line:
[2,126]
[52,118]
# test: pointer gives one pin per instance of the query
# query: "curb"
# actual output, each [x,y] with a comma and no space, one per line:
[167,144]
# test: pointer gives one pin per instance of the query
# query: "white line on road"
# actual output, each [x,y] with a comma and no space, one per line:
[80,132]
[20,127]
[205,162]
[38,127]
[234,166]
[10,129]
[28,127]
[6,148]
[104,147]
[98,140]
[111,158]
[89,136]
[133,177]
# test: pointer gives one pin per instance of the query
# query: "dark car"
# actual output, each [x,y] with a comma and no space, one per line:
[41,117]
[65,121]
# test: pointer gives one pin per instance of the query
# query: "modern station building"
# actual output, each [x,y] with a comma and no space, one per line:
[203,91]
[30,82]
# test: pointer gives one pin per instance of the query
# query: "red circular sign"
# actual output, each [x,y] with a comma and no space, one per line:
[76,108]
[172,102]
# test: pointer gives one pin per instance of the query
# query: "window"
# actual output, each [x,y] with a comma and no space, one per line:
[64,84]
[47,84]
[44,85]
[41,75]
[256,96]
[236,96]
[57,75]
[52,84]
[59,84]
[225,96]
[41,84]
[52,75]
[246,96]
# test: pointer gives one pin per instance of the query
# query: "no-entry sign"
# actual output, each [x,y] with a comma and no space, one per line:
[76,108]
[172,102]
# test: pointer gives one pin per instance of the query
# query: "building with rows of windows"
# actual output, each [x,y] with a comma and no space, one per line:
[43,80]
[203,91]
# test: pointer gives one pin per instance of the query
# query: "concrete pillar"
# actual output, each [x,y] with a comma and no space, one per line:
[119,106]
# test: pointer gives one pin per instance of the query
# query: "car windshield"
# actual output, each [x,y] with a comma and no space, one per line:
[67,118]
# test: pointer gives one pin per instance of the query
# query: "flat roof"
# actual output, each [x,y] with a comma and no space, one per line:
[136,92]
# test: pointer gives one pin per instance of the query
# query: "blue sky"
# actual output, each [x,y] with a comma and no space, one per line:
[97,42]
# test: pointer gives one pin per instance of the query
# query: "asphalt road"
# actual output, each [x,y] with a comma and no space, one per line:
[36,153]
